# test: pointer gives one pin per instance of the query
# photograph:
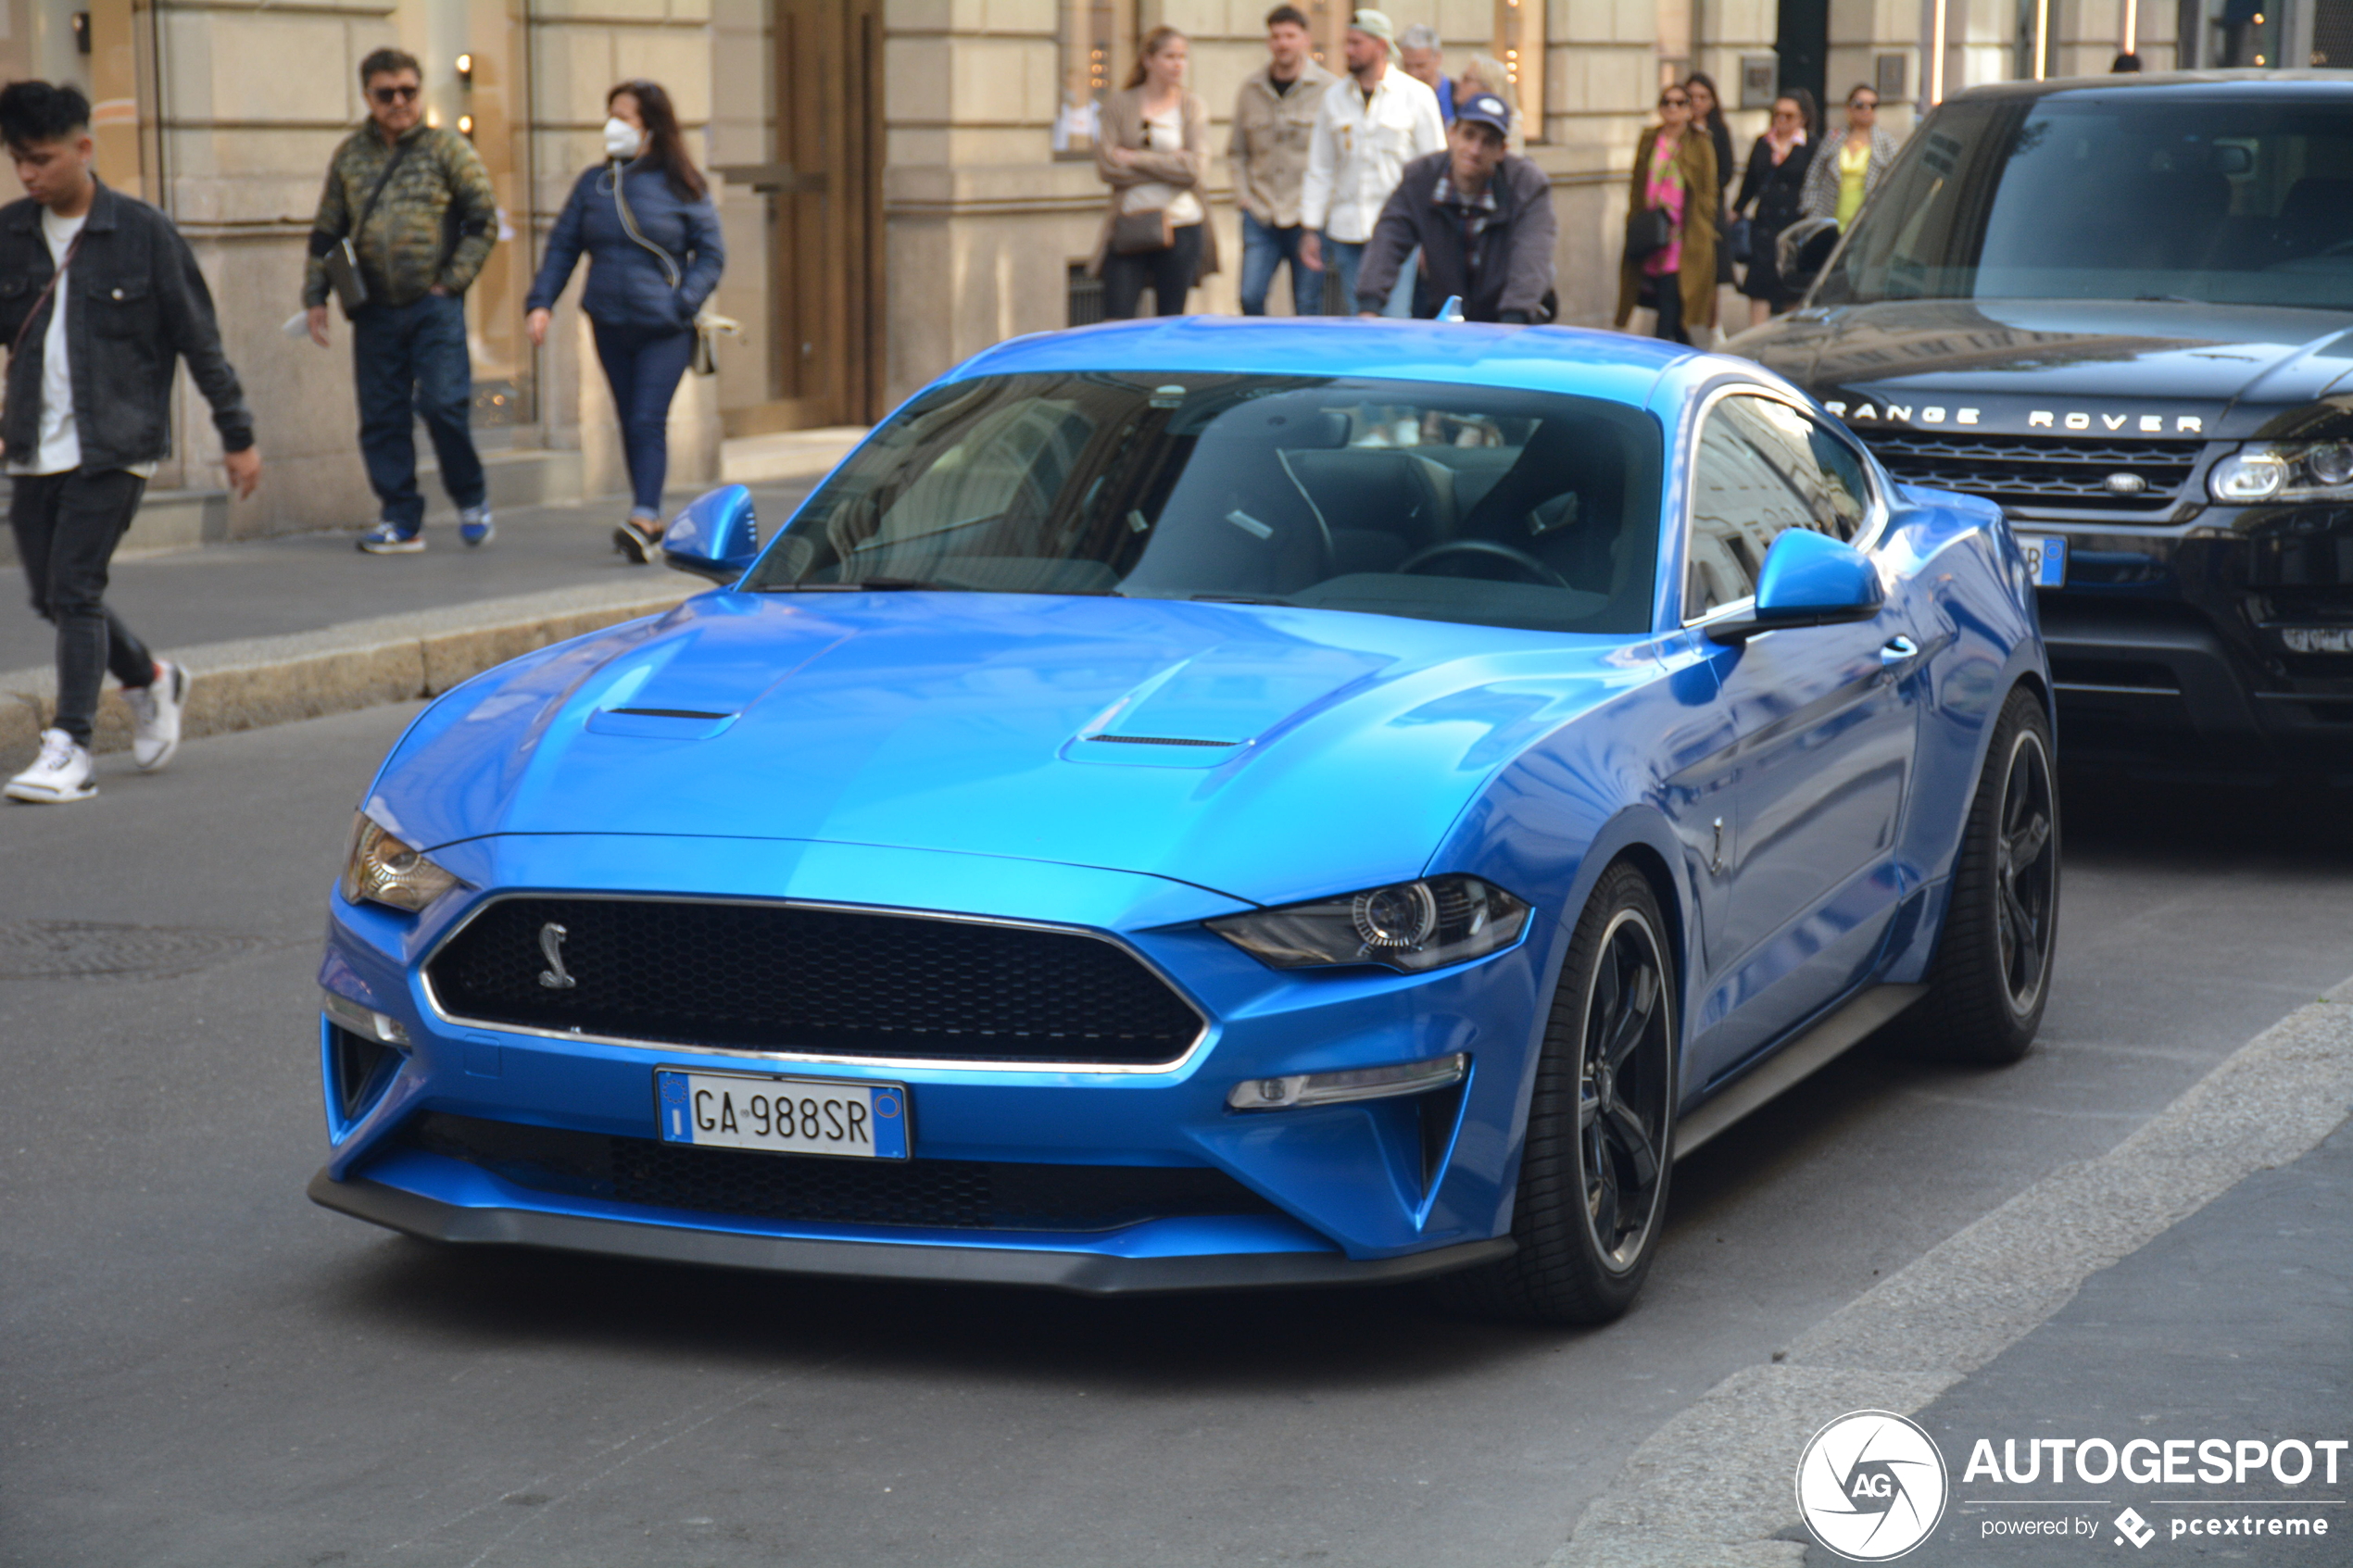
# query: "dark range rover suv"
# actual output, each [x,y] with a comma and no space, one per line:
[2123,309]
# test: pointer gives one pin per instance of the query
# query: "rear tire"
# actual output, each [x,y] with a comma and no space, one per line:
[1601,1124]
[1993,972]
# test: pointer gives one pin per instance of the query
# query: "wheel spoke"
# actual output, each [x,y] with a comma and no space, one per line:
[1633,1020]
[1589,1105]
[2026,845]
[1602,1199]
[1625,1129]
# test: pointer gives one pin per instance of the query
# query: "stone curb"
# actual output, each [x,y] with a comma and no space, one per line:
[1715,1486]
[245,684]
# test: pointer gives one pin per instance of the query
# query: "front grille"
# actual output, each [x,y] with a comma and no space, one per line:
[774,977]
[943,1194]
[2030,470]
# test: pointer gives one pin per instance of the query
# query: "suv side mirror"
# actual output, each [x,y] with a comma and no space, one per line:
[1803,250]
[717,537]
[1810,579]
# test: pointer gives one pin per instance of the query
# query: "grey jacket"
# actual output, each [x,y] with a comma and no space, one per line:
[1514,251]
[135,307]
[1821,199]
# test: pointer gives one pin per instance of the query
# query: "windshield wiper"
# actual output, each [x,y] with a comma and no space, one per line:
[2165,299]
[868,584]
[1234,600]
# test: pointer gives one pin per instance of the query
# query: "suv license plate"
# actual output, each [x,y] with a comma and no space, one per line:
[783,1115]
[2045,558]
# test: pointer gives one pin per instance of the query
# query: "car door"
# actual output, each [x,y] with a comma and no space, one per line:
[1823,727]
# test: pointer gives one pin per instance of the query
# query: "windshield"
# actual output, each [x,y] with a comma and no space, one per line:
[1446,503]
[2120,195]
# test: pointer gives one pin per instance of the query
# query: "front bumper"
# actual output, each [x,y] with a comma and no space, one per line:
[1352,1191]
[2168,645]
[1088,1272]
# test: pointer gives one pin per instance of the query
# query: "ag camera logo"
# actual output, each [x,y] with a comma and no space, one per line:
[1872,1486]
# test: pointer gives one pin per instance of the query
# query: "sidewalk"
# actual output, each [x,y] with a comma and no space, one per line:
[303,624]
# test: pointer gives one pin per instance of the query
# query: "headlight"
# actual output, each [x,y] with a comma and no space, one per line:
[1408,925]
[382,870]
[2283,470]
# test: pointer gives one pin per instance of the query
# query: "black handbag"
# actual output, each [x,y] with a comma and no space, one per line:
[1647,232]
[1736,238]
[342,259]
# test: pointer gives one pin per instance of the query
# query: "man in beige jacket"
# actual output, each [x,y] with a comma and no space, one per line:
[1274,118]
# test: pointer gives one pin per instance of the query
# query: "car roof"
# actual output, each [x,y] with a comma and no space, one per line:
[1595,364]
[2291,85]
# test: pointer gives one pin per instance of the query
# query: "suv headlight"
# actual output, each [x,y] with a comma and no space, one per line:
[2283,470]
[382,870]
[1411,927]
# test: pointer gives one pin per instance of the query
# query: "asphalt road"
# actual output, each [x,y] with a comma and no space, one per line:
[199,1367]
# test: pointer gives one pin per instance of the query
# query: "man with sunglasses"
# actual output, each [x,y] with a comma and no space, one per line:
[415,201]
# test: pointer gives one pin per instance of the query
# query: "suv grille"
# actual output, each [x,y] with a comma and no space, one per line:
[943,1194]
[774,977]
[2029,470]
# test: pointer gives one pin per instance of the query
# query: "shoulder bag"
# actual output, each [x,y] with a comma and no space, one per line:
[1135,232]
[342,259]
[707,325]
[1647,232]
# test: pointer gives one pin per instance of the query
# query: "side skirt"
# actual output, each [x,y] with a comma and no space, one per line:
[1795,1062]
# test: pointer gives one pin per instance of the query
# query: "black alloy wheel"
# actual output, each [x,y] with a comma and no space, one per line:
[1599,1147]
[1993,972]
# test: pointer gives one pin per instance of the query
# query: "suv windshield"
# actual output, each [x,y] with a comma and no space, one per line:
[2124,194]
[1447,503]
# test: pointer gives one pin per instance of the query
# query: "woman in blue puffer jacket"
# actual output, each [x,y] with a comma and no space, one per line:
[646,220]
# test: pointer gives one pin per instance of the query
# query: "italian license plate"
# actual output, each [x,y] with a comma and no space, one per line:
[2045,558]
[783,1115]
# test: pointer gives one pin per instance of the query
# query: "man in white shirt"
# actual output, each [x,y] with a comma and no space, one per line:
[1367,130]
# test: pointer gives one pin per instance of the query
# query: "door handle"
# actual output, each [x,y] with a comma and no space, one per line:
[1898,650]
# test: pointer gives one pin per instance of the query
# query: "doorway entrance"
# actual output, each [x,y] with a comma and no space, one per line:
[1801,38]
[825,230]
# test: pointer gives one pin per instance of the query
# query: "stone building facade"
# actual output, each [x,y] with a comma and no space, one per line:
[902,182]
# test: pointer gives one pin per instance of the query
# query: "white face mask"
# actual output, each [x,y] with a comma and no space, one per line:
[623,140]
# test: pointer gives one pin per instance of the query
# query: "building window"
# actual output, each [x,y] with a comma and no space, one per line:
[1098,44]
[1519,43]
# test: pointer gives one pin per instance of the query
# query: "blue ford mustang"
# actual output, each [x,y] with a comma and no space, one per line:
[1208,803]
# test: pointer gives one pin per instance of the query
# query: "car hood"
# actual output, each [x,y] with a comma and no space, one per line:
[1255,751]
[2216,358]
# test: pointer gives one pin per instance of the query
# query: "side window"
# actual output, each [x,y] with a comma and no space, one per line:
[1818,467]
[1741,501]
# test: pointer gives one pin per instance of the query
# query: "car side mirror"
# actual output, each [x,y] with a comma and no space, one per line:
[1803,250]
[1810,579]
[717,537]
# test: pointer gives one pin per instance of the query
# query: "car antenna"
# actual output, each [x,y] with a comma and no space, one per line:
[1453,309]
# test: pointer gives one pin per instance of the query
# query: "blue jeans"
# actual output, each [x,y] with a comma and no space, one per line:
[1344,259]
[1266,248]
[642,365]
[410,361]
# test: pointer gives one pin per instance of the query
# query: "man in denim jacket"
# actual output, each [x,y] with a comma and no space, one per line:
[100,300]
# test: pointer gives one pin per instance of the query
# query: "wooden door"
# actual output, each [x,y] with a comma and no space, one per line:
[826,362]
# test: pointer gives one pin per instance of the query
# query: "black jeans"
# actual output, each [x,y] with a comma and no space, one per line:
[1668,289]
[1169,271]
[642,365]
[409,362]
[67,526]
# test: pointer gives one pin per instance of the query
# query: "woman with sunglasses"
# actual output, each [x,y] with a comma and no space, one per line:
[644,218]
[1775,182]
[1670,261]
[1845,172]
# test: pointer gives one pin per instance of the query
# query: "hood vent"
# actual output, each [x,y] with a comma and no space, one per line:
[1161,740]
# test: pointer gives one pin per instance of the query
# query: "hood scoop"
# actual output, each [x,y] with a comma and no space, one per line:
[1220,702]
[660,724]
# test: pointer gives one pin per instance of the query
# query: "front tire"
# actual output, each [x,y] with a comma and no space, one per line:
[1601,1124]
[1993,974]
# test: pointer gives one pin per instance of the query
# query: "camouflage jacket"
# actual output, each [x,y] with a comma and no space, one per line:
[434,224]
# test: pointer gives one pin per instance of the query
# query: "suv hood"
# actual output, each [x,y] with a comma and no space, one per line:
[2228,367]
[1255,751]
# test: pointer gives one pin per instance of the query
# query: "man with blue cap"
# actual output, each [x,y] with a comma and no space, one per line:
[1483,219]
[1364,130]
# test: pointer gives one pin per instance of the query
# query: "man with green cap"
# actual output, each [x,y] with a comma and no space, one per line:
[1367,132]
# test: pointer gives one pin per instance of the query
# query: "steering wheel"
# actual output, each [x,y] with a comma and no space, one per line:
[1518,558]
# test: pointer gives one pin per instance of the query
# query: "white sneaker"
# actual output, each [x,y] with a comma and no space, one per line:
[60,773]
[155,716]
